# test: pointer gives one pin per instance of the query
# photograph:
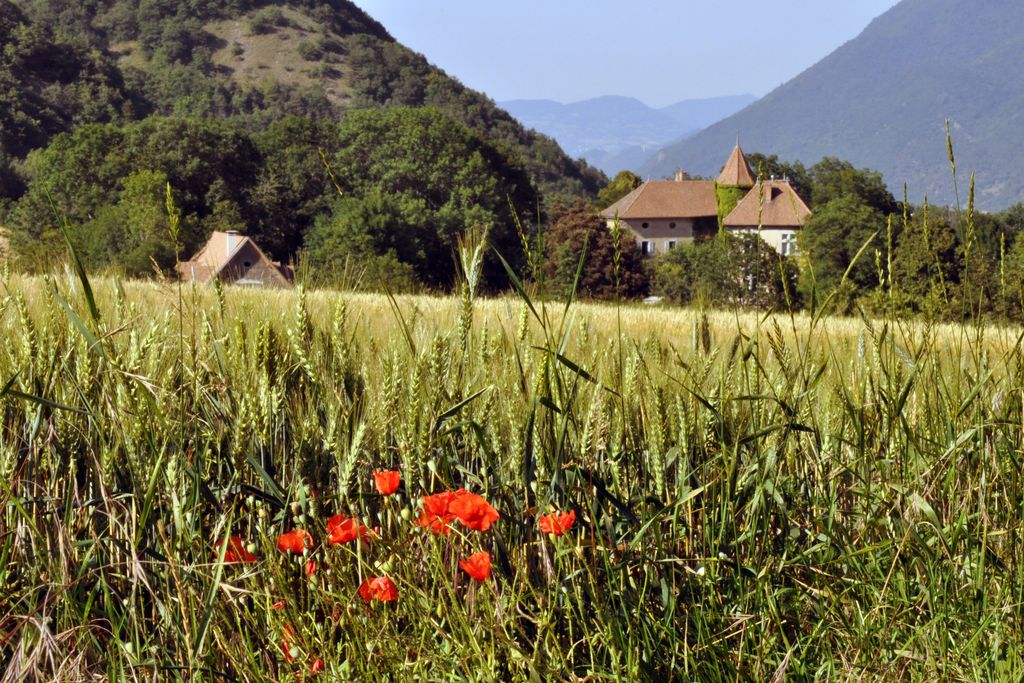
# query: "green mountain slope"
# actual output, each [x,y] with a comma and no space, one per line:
[882,100]
[260,61]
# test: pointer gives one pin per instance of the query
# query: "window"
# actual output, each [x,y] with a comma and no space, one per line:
[672,225]
[670,244]
[788,246]
[645,248]
[247,264]
[645,225]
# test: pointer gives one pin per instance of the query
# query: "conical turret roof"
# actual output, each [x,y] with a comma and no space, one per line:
[737,170]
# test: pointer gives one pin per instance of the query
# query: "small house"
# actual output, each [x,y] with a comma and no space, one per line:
[234,259]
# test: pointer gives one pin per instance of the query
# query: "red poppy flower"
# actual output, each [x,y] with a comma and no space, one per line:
[310,567]
[341,529]
[278,605]
[387,481]
[287,642]
[381,588]
[472,510]
[295,541]
[436,515]
[317,666]
[478,566]
[557,523]
[236,552]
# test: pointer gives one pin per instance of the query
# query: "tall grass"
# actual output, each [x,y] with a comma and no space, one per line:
[759,498]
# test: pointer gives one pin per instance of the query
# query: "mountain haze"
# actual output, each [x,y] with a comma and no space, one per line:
[614,132]
[881,101]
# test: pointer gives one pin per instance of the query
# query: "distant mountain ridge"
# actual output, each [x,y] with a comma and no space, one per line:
[614,132]
[882,99]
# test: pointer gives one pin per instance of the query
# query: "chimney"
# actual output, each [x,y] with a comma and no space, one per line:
[768,193]
[681,175]
[232,241]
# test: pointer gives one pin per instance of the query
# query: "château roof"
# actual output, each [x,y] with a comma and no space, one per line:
[780,207]
[737,170]
[667,199]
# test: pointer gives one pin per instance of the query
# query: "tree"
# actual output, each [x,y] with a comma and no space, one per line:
[833,178]
[207,163]
[732,269]
[829,243]
[381,228]
[578,232]
[423,157]
[766,167]
[133,234]
[925,261]
[618,187]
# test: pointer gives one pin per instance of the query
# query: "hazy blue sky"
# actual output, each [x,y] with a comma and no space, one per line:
[659,51]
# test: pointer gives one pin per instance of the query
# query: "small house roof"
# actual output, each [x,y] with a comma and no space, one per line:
[737,170]
[667,199]
[220,252]
[780,207]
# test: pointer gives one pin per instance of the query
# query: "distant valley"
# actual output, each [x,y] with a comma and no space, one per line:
[615,133]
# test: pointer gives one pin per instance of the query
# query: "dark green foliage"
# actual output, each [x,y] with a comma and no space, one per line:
[267,20]
[833,178]
[831,239]
[453,181]
[292,187]
[48,85]
[391,74]
[390,237]
[732,269]
[208,163]
[57,74]
[576,231]
[618,187]
[728,197]
[770,166]
[925,258]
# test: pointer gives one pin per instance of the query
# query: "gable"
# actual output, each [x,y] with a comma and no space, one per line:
[777,205]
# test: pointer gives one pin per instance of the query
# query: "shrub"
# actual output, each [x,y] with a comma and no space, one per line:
[267,20]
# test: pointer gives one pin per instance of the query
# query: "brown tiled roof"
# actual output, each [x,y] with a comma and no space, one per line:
[218,253]
[667,199]
[737,170]
[781,208]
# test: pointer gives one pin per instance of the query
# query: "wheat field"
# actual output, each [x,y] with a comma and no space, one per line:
[757,497]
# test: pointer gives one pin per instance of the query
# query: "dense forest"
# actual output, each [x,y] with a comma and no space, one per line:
[104,102]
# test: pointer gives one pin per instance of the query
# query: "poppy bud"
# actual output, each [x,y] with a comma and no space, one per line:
[296,508]
[406,514]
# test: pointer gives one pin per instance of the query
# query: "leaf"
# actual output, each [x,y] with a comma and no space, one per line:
[94,343]
[576,369]
[79,268]
[518,286]
[456,408]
